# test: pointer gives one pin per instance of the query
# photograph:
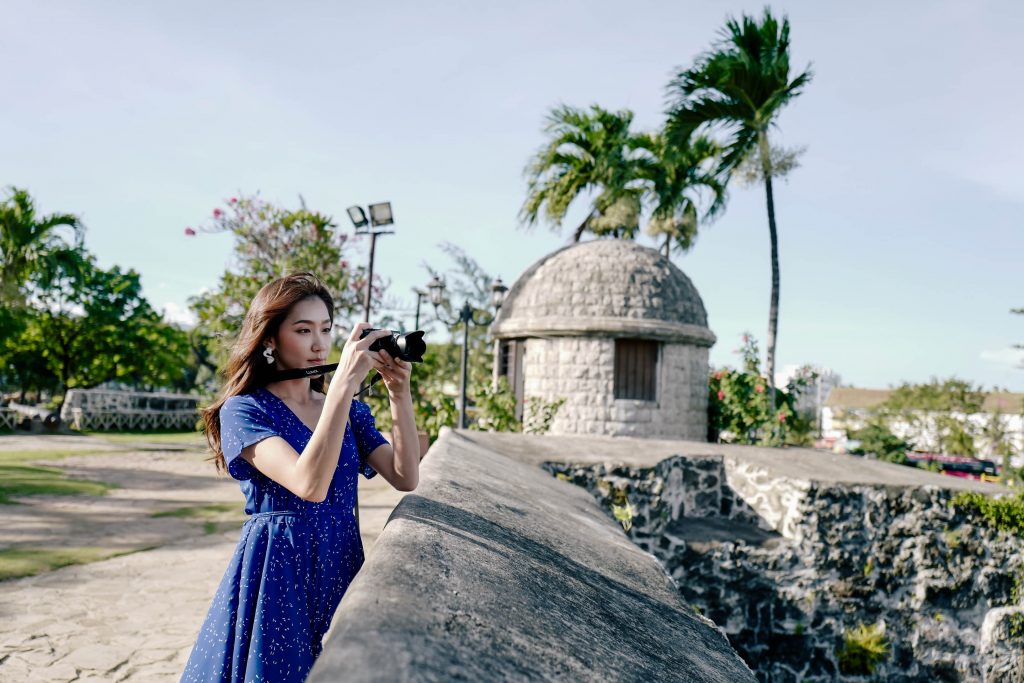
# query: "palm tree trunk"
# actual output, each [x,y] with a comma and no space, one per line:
[584,226]
[773,308]
[668,240]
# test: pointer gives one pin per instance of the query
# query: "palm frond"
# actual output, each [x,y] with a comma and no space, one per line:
[739,86]
[588,150]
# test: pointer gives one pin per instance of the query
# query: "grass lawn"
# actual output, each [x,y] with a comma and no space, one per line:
[18,478]
[26,480]
[17,562]
[216,516]
[21,476]
[175,438]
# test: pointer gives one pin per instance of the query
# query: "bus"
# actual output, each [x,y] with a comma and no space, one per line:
[955,465]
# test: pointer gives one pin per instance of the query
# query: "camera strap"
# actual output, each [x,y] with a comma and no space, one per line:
[301,373]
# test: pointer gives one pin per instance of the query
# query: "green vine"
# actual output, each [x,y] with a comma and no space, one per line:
[1002,514]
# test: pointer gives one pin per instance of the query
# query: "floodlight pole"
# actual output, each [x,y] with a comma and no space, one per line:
[360,220]
[369,281]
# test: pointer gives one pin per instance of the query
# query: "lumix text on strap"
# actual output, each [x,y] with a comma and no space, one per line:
[301,373]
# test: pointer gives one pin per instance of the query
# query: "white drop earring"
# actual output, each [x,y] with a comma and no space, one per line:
[268,353]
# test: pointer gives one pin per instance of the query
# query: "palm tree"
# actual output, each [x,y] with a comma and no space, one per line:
[739,87]
[589,151]
[29,243]
[678,175]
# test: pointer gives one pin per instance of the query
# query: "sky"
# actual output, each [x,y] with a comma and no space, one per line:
[899,235]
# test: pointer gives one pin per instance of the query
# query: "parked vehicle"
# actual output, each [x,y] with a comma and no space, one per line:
[955,465]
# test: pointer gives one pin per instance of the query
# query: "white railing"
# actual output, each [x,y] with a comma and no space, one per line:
[130,420]
[118,410]
[8,418]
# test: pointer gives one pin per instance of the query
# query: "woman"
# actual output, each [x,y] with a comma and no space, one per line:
[295,450]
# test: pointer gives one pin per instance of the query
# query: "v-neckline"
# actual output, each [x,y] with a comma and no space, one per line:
[288,408]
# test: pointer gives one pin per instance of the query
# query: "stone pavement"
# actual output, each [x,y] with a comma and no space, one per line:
[132,617]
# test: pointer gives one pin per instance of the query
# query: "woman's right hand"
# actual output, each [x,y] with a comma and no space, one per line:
[356,358]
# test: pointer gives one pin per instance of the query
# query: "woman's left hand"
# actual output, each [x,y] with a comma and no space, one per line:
[397,374]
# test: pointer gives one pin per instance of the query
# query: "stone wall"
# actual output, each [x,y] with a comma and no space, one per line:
[787,566]
[492,570]
[582,370]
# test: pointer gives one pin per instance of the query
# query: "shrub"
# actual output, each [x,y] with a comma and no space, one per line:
[864,647]
[539,414]
[1003,514]
[739,405]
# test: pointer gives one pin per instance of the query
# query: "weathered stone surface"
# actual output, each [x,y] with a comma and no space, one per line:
[570,307]
[494,570]
[610,282]
[789,560]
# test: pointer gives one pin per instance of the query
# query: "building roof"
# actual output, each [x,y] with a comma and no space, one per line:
[853,399]
[606,287]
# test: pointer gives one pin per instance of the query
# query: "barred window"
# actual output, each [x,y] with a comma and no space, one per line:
[636,369]
[510,364]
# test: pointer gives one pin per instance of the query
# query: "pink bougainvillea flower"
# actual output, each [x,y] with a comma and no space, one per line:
[721,394]
[344,264]
[718,375]
[782,417]
[759,388]
[217,213]
[233,200]
[190,232]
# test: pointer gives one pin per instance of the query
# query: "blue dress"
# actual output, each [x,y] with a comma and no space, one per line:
[294,559]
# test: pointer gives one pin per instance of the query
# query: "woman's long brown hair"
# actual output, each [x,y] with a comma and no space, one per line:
[247,369]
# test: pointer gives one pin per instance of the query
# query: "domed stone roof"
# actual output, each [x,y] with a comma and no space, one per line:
[607,287]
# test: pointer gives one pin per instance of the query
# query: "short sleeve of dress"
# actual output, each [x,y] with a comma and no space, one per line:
[364,428]
[243,422]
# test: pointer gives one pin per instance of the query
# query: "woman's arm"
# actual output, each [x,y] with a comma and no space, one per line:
[399,463]
[309,474]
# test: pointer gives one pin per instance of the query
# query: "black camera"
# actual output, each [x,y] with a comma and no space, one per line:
[409,347]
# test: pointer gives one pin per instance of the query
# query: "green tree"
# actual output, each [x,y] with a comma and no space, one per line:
[999,443]
[679,176]
[589,152]
[270,242]
[93,326]
[22,367]
[594,153]
[876,438]
[436,379]
[740,87]
[28,241]
[936,414]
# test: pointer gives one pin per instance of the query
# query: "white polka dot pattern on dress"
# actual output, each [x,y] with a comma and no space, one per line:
[294,559]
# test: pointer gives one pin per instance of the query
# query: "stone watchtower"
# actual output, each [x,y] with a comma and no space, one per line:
[618,331]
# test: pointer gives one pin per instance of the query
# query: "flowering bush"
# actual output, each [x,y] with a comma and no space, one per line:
[271,241]
[739,406]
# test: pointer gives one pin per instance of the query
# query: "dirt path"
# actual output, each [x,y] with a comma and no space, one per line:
[132,617]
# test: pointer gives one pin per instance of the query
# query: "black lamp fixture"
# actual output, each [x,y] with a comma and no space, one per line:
[380,214]
[466,318]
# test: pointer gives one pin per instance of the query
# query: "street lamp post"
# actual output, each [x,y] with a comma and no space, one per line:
[465,317]
[380,214]
[420,294]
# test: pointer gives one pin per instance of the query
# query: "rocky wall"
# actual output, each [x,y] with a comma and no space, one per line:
[790,568]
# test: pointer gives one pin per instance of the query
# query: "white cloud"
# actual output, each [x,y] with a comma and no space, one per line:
[1008,356]
[176,313]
